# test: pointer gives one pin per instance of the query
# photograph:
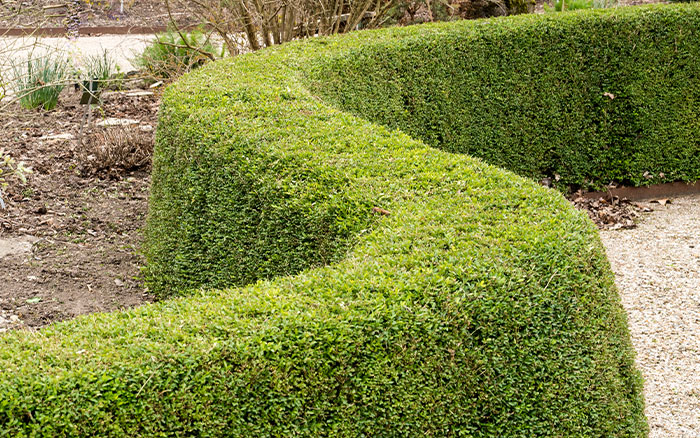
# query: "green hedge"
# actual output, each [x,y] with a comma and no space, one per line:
[593,98]
[482,305]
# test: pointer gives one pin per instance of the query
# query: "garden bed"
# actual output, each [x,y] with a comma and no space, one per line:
[137,13]
[83,226]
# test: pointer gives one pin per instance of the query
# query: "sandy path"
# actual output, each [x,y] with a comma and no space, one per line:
[121,48]
[657,267]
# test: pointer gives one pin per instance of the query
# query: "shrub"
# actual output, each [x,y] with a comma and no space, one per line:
[570,5]
[573,5]
[39,81]
[375,286]
[172,54]
[592,98]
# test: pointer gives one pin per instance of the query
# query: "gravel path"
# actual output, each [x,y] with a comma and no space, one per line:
[657,267]
[121,48]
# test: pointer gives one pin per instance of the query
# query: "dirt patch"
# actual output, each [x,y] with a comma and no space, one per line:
[34,13]
[81,221]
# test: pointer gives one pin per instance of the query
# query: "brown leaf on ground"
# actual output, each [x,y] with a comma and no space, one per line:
[380,210]
[609,213]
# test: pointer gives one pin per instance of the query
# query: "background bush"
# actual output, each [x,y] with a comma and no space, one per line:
[482,305]
[173,54]
[594,98]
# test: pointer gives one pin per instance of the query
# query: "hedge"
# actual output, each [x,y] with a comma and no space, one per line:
[340,277]
[585,99]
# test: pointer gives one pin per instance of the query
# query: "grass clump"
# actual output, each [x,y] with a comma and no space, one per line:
[39,81]
[116,149]
[101,68]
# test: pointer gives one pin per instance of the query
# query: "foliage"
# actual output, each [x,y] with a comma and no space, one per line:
[572,5]
[39,80]
[100,67]
[585,99]
[482,304]
[173,53]
[568,5]
[415,291]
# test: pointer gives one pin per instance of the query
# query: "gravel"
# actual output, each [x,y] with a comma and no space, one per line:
[122,49]
[657,269]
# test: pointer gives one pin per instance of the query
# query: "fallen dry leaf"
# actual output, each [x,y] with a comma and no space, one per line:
[380,211]
[610,214]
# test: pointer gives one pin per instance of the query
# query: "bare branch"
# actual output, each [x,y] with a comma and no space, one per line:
[182,37]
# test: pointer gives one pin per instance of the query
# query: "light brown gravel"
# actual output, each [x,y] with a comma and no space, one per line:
[657,267]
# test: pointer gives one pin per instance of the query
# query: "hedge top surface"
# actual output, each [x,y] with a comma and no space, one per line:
[482,305]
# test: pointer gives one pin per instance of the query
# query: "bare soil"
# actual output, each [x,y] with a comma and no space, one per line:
[72,233]
[31,13]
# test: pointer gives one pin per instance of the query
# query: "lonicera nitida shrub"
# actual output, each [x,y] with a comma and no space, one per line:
[341,275]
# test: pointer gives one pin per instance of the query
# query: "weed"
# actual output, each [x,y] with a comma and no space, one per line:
[28,193]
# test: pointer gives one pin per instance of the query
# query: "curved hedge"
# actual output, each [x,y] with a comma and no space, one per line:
[591,99]
[481,305]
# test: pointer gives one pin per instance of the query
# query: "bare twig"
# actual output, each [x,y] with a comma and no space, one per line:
[182,37]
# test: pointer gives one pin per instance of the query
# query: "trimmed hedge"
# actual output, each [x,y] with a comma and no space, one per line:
[593,98]
[481,306]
